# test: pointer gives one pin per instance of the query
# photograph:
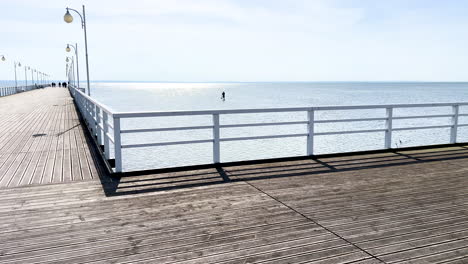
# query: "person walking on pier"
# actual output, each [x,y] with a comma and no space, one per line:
[223,96]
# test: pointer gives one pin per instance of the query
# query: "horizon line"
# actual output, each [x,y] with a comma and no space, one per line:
[219,81]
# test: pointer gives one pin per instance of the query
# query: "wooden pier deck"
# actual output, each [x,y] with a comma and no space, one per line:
[41,140]
[395,207]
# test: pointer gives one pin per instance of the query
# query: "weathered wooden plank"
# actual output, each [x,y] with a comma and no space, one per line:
[425,251]
[420,242]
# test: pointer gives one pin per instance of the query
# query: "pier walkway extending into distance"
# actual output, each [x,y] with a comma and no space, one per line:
[58,205]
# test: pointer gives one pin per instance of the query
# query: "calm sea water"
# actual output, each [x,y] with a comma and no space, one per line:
[126,96]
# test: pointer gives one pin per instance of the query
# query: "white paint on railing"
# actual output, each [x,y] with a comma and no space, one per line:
[146,130]
[388,127]
[146,145]
[98,124]
[216,139]
[350,120]
[265,124]
[105,119]
[310,129]
[264,137]
[454,129]
[418,117]
[420,127]
[118,145]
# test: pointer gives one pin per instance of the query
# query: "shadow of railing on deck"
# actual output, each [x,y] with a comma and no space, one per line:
[298,168]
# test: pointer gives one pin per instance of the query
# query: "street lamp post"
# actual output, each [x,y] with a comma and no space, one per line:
[26,77]
[77,66]
[32,76]
[69,18]
[17,64]
[2,57]
[71,71]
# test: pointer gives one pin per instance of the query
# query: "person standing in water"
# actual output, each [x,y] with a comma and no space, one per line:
[223,96]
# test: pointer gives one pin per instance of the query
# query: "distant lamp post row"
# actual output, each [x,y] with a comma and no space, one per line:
[26,68]
[69,18]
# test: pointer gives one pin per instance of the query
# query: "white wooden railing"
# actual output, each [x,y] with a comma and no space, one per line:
[101,120]
[4,91]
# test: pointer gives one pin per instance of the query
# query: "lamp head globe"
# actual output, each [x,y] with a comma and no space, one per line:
[68,17]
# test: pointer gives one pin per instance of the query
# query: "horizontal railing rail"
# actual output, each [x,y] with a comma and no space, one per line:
[277,110]
[98,118]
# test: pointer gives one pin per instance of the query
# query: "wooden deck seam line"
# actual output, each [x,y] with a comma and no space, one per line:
[315,222]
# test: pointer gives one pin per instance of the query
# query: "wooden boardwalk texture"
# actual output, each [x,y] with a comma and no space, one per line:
[41,140]
[395,207]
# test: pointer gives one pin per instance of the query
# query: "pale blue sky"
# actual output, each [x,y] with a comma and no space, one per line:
[243,40]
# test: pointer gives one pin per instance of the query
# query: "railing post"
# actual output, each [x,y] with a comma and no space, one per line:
[93,118]
[98,122]
[117,145]
[216,144]
[388,127]
[88,111]
[85,110]
[90,117]
[106,131]
[454,129]
[310,129]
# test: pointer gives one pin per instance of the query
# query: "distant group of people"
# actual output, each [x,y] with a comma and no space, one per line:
[64,84]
